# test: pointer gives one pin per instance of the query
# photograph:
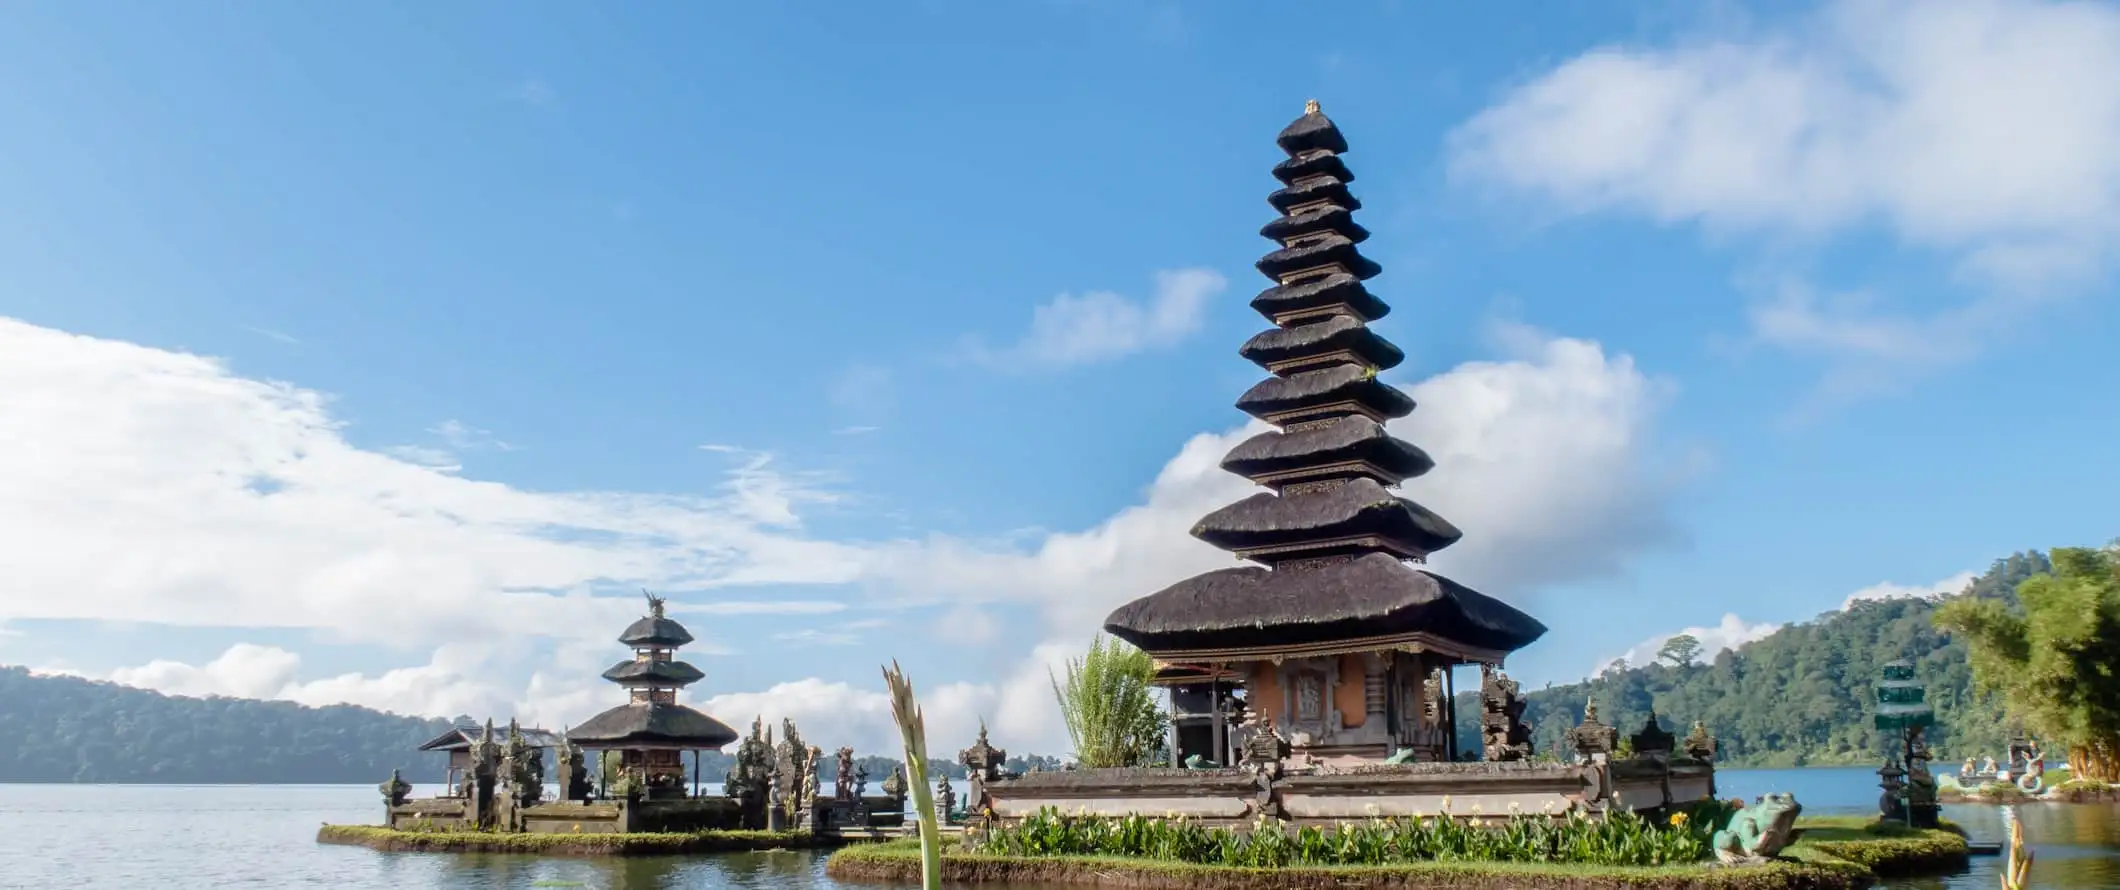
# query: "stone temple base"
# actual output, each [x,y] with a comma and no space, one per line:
[1473,791]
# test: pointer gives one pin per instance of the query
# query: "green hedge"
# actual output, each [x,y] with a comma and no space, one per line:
[637,844]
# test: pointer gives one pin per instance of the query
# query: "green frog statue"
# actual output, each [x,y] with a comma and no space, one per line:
[1758,832]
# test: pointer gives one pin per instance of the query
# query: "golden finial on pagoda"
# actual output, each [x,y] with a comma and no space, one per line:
[1310,106]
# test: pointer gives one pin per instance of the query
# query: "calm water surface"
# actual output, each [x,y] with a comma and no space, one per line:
[139,836]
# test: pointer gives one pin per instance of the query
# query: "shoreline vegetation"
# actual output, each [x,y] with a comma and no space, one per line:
[1830,853]
[388,840]
[2071,791]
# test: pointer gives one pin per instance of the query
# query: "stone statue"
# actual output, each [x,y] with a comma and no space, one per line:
[1503,733]
[1264,747]
[1965,770]
[749,778]
[1699,745]
[485,763]
[573,777]
[656,605]
[792,761]
[1759,832]
[861,781]
[522,767]
[1591,739]
[843,785]
[894,786]
[808,800]
[945,799]
[395,790]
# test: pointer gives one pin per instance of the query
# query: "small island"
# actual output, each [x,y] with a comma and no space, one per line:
[640,800]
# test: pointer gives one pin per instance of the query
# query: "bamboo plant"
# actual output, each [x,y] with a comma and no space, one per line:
[914,728]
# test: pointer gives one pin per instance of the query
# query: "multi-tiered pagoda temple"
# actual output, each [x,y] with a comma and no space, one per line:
[652,730]
[1335,635]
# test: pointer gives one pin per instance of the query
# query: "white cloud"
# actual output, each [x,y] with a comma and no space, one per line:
[1075,329]
[465,437]
[270,334]
[161,488]
[1988,130]
[446,685]
[843,634]
[1019,709]
[1547,452]
[1731,633]
[1886,590]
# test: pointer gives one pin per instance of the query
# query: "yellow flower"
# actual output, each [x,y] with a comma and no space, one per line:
[1678,819]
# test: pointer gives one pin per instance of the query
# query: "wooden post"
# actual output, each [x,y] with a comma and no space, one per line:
[695,773]
[1449,709]
[1218,732]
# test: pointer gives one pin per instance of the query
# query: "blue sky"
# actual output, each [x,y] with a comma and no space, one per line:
[881,330]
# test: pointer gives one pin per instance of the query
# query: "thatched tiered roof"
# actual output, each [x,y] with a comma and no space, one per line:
[1334,539]
[652,677]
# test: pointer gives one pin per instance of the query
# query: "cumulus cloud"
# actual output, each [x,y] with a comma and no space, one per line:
[1987,130]
[1886,590]
[1548,451]
[160,487]
[446,685]
[165,489]
[1075,329]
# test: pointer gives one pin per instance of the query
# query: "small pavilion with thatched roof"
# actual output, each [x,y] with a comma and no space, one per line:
[651,732]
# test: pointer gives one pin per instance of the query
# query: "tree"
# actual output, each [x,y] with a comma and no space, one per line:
[2053,657]
[1679,650]
[1108,702]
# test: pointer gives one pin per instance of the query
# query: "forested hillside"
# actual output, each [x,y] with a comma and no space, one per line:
[1803,695]
[66,729]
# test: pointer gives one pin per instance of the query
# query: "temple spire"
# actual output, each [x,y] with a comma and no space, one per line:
[1331,539]
[1331,462]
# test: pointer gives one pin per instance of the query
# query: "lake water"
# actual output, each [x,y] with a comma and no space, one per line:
[133,837]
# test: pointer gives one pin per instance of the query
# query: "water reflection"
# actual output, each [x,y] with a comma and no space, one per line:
[133,837]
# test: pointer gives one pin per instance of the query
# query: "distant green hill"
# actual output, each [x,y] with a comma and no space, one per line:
[1801,696]
[66,729]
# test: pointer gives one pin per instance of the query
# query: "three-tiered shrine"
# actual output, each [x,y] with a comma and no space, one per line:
[1334,635]
[651,730]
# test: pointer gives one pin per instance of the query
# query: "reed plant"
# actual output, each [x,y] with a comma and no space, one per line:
[1621,838]
[2017,871]
[913,727]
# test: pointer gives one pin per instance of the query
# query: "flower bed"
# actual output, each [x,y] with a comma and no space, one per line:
[1830,855]
[637,844]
